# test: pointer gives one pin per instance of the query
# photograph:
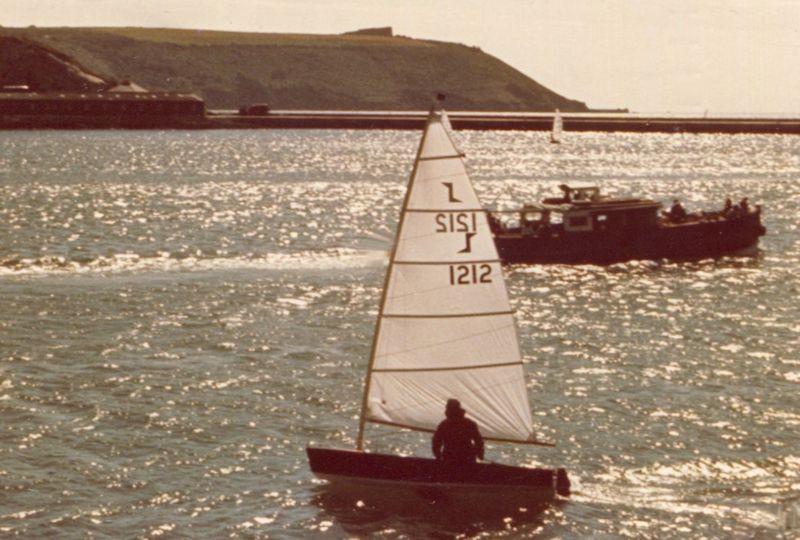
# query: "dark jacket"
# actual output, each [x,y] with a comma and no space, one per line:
[458,440]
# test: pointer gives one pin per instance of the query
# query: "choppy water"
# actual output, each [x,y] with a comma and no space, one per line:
[181,313]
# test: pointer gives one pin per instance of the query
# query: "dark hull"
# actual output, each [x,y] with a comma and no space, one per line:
[692,240]
[477,484]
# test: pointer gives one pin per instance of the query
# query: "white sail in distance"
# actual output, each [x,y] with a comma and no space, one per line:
[445,328]
[558,127]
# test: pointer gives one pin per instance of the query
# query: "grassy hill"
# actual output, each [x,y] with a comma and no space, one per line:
[291,71]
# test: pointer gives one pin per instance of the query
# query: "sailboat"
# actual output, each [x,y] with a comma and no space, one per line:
[558,127]
[445,329]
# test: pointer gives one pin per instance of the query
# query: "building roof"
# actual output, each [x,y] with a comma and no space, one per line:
[127,87]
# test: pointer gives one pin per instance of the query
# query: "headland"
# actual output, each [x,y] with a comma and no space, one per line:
[155,78]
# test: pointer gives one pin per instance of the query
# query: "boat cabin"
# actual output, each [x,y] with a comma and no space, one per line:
[579,194]
[580,210]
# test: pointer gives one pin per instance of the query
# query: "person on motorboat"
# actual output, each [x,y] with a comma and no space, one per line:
[744,205]
[677,213]
[457,439]
[728,208]
[567,193]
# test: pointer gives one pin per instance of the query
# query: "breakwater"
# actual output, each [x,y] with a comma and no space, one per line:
[414,120]
[610,122]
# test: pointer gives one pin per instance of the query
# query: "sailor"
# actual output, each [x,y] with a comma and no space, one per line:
[677,212]
[457,439]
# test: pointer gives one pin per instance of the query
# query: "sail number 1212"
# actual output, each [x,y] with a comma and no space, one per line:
[470,274]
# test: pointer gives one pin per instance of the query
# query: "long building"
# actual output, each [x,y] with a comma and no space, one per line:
[20,109]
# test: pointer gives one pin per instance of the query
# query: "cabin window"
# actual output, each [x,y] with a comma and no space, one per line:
[581,221]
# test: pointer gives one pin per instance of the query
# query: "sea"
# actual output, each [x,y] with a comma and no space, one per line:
[183,312]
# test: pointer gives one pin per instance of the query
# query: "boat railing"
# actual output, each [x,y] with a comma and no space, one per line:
[734,214]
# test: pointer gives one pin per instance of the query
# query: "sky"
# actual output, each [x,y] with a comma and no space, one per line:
[719,56]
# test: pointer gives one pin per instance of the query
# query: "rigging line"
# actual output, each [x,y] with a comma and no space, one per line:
[454,261]
[452,368]
[451,156]
[446,210]
[447,316]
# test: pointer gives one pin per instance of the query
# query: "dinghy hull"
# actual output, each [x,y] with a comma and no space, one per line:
[477,484]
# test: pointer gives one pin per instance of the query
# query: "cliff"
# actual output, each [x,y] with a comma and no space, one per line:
[369,71]
[24,62]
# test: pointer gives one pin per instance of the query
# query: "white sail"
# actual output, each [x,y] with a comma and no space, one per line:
[558,127]
[445,328]
[446,123]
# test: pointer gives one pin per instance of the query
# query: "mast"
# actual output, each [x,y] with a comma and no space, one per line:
[362,420]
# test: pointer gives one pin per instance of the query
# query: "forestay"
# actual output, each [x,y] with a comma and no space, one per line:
[445,327]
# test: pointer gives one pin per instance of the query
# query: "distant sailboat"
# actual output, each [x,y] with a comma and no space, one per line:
[445,330]
[558,127]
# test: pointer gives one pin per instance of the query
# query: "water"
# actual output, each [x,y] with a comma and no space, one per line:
[181,313]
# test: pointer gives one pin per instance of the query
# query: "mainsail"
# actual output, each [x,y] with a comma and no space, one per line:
[445,327]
